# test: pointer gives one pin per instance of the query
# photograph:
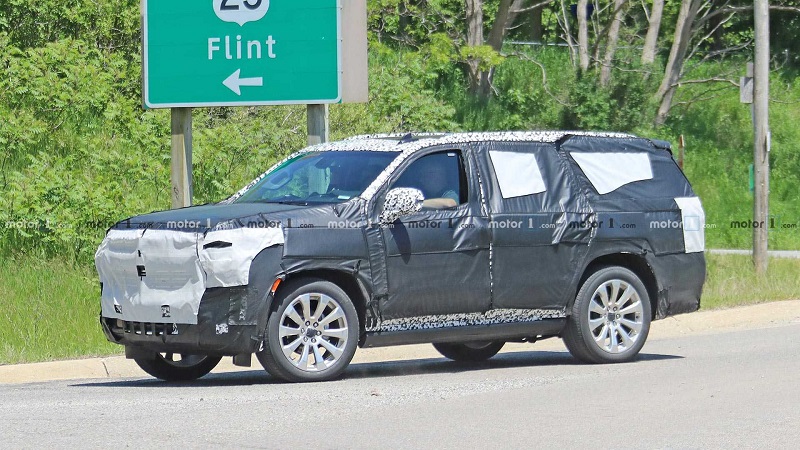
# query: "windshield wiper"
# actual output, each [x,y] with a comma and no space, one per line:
[286,202]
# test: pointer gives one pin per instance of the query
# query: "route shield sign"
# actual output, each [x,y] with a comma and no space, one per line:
[240,52]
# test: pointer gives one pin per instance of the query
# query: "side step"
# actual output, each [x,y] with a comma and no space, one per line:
[496,332]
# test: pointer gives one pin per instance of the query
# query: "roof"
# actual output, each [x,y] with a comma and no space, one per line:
[404,142]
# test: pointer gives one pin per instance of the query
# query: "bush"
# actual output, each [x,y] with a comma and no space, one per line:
[79,153]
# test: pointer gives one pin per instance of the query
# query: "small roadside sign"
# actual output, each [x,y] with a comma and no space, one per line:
[746,86]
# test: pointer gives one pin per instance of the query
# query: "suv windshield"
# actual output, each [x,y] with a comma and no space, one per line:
[319,177]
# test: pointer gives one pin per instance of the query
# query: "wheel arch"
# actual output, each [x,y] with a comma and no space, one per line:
[346,281]
[631,261]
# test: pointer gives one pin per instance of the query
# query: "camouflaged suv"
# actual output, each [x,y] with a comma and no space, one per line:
[466,241]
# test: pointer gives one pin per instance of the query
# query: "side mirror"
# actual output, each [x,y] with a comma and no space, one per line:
[401,202]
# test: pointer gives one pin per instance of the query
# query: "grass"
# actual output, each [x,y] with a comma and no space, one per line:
[731,281]
[51,308]
[49,311]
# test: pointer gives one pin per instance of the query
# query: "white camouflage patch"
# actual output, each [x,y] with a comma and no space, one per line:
[405,200]
[491,317]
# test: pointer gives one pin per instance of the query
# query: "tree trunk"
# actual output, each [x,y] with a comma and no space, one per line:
[583,36]
[496,36]
[474,10]
[404,20]
[650,41]
[672,73]
[536,25]
[513,12]
[715,24]
[611,45]
[564,22]
[498,31]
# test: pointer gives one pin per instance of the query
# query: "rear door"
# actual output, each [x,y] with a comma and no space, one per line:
[538,224]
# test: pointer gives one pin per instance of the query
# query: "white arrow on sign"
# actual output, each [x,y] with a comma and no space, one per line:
[234,83]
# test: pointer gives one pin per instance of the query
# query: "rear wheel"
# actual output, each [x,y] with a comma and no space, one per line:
[313,334]
[469,351]
[178,366]
[610,317]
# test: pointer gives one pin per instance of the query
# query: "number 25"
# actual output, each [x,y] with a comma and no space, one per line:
[247,4]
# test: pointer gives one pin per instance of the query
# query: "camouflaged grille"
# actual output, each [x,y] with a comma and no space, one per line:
[146,328]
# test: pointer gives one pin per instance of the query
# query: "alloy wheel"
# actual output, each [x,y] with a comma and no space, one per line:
[313,332]
[616,316]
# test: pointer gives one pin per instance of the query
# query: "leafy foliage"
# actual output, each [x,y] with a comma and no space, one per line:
[108,25]
[78,153]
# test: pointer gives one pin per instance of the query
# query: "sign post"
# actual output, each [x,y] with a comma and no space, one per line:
[181,167]
[317,123]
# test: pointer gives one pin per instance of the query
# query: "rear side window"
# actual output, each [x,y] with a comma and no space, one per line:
[625,168]
[517,173]
[609,171]
[526,177]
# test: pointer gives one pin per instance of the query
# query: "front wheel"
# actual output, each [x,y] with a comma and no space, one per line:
[610,317]
[313,334]
[178,367]
[469,351]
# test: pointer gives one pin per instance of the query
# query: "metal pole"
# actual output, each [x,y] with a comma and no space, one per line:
[181,167]
[317,124]
[761,148]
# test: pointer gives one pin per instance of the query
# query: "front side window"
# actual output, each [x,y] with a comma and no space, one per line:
[440,177]
[319,177]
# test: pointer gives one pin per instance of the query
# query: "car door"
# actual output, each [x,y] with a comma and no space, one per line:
[437,260]
[535,210]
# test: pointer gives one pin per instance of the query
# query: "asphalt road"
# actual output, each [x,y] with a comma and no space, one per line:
[738,389]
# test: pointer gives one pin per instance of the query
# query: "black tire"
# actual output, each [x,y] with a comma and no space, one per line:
[608,325]
[469,351]
[334,346]
[189,368]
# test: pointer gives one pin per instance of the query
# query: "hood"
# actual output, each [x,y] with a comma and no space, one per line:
[203,216]
[252,215]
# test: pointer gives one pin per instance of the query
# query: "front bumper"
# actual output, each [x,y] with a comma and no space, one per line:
[218,320]
[181,338]
[230,321]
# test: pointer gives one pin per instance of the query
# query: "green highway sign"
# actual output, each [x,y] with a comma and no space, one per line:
[240,52]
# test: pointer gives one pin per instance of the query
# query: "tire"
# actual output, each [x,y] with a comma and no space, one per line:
[165,366]
[469,351]
[610,318]
[313,333]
